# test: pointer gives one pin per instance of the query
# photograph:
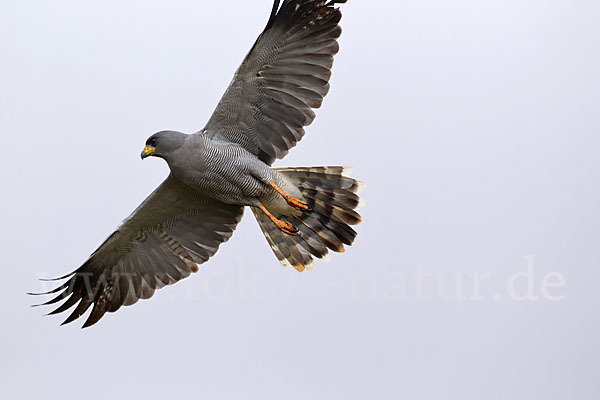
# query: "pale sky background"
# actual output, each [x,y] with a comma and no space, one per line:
[476,125]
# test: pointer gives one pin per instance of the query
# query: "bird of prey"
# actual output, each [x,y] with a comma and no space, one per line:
[218,171]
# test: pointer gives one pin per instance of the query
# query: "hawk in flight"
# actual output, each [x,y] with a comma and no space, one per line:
[218,171]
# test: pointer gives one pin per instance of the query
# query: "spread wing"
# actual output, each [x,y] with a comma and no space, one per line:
[284,77]
[160,243]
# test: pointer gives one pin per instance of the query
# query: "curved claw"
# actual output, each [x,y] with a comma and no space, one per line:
[287,228]
[283,226]
[297,204]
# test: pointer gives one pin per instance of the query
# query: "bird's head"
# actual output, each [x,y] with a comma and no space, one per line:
[163,144]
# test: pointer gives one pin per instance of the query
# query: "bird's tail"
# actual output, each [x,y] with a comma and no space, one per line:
[332,198]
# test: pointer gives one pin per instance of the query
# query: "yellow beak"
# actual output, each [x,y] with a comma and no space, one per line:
[148,151]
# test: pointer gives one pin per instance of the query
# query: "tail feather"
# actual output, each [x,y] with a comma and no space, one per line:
[335,212]
[288,249]
[332,198]
[323,232]
[345,198]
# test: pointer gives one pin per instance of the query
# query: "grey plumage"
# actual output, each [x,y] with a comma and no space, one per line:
[285,75]
[215,173]
[158,245]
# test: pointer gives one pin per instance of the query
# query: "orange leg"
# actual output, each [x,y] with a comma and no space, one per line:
[291,200]
[284,226]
